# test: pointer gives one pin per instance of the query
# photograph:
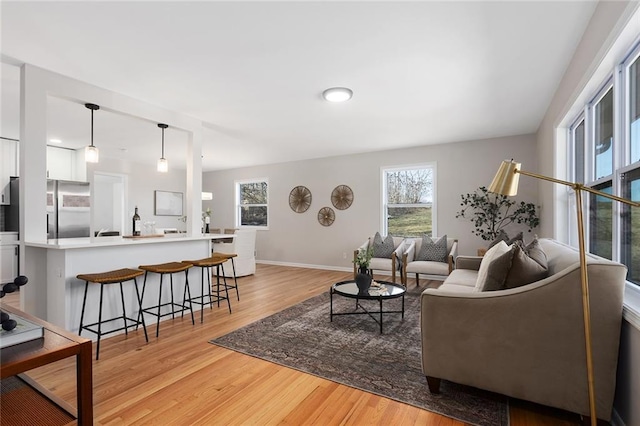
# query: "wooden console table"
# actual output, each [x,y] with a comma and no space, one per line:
[56,345]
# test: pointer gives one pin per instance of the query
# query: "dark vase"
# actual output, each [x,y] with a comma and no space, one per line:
[363,280]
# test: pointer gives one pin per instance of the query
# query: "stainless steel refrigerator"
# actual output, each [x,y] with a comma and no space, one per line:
[68,209]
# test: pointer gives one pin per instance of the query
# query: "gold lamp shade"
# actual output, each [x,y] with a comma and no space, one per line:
[506,180]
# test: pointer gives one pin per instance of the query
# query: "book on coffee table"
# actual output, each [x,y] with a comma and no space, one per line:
[24,332]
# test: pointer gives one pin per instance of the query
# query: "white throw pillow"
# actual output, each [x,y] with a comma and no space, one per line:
[495,251]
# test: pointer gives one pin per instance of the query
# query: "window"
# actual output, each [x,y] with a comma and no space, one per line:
[601,222]
[603,135]
[252,203]
[408,200]
[605,155]
[634,111]
[631,225]
[577,136]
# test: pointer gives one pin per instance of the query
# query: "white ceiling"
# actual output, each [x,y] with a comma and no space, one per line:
[421,72]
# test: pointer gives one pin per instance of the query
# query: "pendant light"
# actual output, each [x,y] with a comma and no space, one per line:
[91,154]
[163,164]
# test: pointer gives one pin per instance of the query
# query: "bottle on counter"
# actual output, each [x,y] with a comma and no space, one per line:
[136,223]
[206,224]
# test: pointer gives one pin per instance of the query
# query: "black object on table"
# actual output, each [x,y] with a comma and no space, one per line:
[350,290]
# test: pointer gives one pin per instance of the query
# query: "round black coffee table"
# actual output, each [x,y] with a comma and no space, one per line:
[349,289]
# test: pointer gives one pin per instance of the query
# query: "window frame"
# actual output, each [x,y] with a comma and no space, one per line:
[619,82]
[238,205]
[384,205]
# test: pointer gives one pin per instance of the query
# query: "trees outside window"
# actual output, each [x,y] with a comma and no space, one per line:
[252,203]
[408,205]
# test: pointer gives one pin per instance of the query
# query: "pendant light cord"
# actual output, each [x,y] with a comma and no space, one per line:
[91,127]
[163,142]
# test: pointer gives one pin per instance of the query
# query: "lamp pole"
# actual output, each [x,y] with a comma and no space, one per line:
[505,183]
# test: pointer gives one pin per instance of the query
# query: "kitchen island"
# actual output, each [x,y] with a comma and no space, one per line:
[55,294]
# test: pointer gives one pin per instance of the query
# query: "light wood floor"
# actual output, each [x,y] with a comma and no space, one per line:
[181,379]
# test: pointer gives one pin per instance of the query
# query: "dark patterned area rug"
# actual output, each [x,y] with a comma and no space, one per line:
[350,350]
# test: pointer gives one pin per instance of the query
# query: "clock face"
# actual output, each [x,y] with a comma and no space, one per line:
[300,199]
[326,216]
[342,197]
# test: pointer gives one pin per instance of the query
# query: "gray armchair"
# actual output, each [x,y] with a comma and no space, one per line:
[432,270]
[381,263]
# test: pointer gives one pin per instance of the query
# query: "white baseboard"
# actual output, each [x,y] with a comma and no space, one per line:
[305,265]
[309,266]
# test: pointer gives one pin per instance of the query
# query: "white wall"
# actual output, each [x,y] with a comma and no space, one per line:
[143,180]
[295,238]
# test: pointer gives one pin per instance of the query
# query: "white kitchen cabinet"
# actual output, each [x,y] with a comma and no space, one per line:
[61,163]
[8,256]
[8,263]
[8,167]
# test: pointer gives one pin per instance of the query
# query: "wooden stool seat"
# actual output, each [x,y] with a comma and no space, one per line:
[112,277]
[166,268]
[162,269]
[208,263]
[225,257]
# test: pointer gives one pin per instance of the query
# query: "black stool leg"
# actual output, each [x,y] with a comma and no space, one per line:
[235,279]
[84,303]
[202,295]
[124,315]
[218,283]
[209,287]
[144,326]
[173,311]
[226,290]
[141,312]
[184,299]
[159,302]
[99,322]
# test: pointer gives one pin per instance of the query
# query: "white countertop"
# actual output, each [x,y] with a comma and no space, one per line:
[87,242]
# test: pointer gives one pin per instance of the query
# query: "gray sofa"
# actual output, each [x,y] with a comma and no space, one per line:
[527,342]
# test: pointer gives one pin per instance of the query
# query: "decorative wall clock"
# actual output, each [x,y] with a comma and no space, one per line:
[300,199]
[326,216]
[342,197]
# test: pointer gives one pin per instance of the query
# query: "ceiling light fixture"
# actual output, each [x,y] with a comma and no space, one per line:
[55,141]
[163,164]
[91,153]
[337,94]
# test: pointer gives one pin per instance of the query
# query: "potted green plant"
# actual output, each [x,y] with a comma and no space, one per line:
[363,277]
[491,213]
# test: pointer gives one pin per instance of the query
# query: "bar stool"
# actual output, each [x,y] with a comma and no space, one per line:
[225,257]
[207,264]
[111,277]
[162,269]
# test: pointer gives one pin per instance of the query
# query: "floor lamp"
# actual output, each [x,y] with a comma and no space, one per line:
[506,183]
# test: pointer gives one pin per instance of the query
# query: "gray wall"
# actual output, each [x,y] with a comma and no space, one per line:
[295,238]
[604,28]
[627,403]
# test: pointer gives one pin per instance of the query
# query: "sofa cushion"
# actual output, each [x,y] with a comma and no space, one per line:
[526,265]
[428,268]
[535,251]
[497,272]
[383,248]
[518,237]
[493,276]
[502,236]
[462,277]
[435,251]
